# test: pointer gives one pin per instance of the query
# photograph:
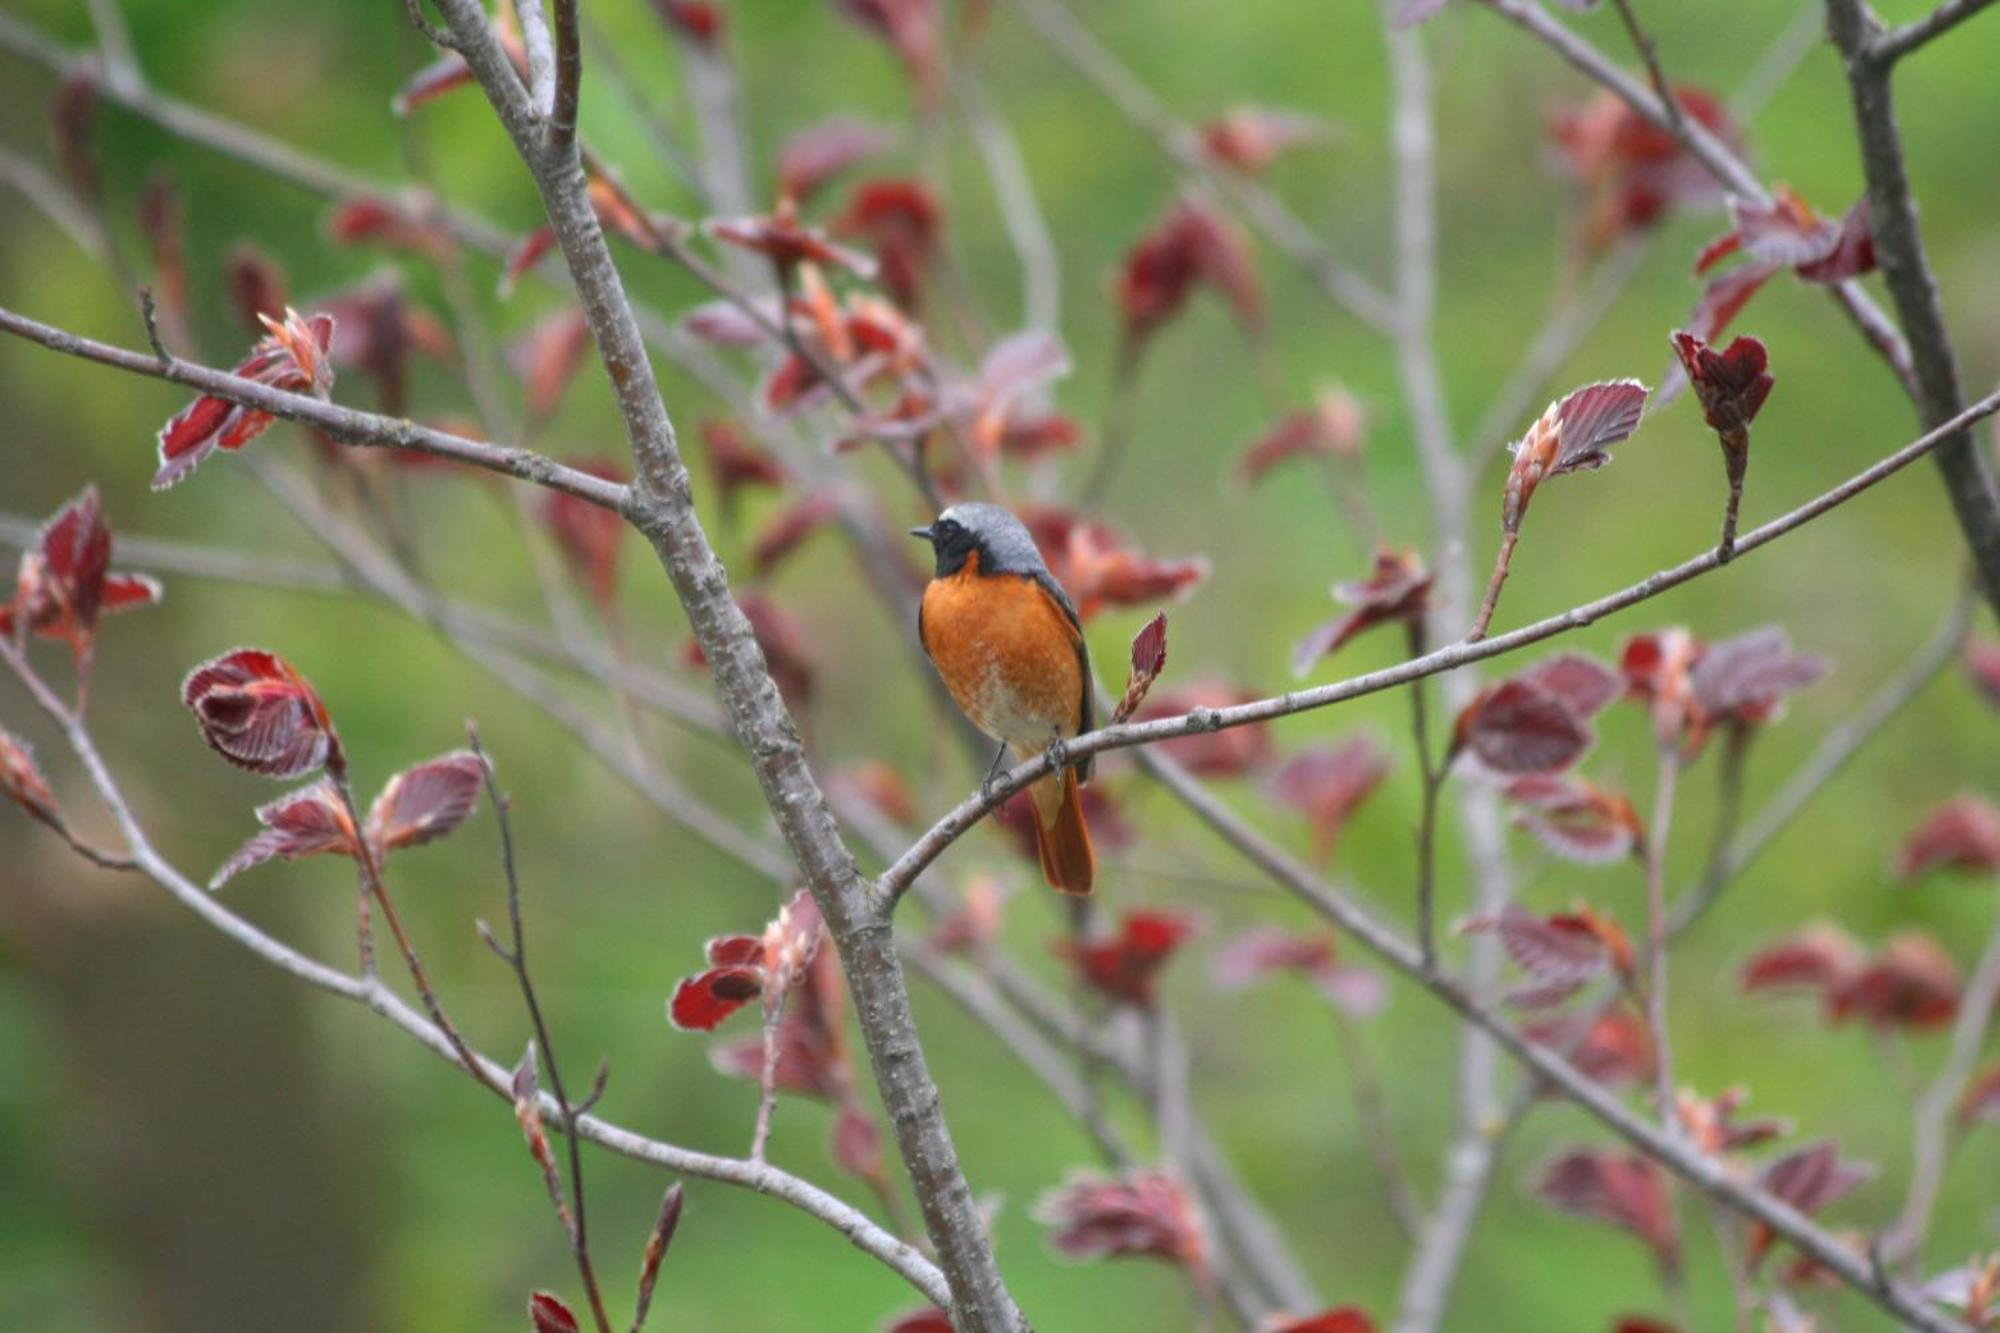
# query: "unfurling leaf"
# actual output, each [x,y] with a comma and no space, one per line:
[1575,819]
[526,1086]
[1328,783]
[1094,562]
[1192,246]
[743,968]
[588,535]
[1962,834]
[656,1250]
[1632,172]
[65,581]
[1623,1190]
[549,1315]
[788,243]
[425,803]
[1518,728]
[1335,426]
[1124,968]
[902,221]
[1142,1214]
[1572,435]
[255,710]
[1149,659]
[293,357]
[1251,138]
[256,287]
[815,155]
[22,782]
[304,823]
[1911,982]
[1397,591]
[1809,1179]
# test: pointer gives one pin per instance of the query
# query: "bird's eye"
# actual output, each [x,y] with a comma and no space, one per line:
[949,528]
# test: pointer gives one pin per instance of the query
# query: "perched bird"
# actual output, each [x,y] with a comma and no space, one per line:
[1006,640]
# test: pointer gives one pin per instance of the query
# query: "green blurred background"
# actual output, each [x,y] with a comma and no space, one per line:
[188,1141]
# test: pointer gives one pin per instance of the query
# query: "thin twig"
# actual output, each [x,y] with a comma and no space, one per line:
[515,955]
[1900,41]
[947,830]
[1642,41]
[1657,834]
[343,423]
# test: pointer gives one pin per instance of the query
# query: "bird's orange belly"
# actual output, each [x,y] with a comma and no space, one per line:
[1007,655]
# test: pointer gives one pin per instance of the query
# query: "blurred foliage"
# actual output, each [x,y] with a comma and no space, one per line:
[187,1141]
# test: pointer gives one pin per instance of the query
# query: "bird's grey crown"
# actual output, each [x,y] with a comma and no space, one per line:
[1005,541]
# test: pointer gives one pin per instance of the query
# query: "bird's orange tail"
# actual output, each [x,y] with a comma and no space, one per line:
[1061,837]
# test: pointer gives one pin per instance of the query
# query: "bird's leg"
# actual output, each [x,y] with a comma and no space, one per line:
[1058,754]
[992,773]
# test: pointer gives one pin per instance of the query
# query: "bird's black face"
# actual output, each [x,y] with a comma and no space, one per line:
[951,541]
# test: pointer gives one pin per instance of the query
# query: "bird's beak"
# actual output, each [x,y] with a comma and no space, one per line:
[925,533]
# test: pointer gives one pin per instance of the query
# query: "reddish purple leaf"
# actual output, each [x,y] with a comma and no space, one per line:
[22,782]
[1125,967]
[293,357]
[259,713]
[1397,591]
[1961,834]
[1623,1190]
[1821,957]
[1517,728]
[425,803]
[1576,820]
[1149,659]
[1328,784]
[549,1315]
[303,823]
[1143,1214]
[815,155]
[1910,983]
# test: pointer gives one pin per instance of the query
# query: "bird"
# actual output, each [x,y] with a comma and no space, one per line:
[1008,644]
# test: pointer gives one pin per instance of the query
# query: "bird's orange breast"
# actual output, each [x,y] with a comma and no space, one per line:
[1008,655]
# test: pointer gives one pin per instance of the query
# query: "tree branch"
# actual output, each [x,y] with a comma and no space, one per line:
[947,830]
[661,506]
[899,1256]
[1899,245]
[1900,41]
[342,423]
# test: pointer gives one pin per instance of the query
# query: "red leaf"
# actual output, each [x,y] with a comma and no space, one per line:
[293,357]
[548,358]
[1347,1319]
[1809,1179]
[1517,728]
[376,330]
[1397,591]
[1962,834]
[1125,967]
[726,324]
[304,823]
[780,236]
[1911,983]
[22,782]
[812,1048]
[1092,561]
[1250,138]
[1335,426]
[1715,1129]
[1560,952]
[588,535]
[256,287]
[913,30]
[815,155]
[430,83]
[735,462]
[1192,246]
[1820,957]
[1572,435]
[1231,752]
[901,221]
[255,710]
[928,1320]
[705,999]
[1743,681]
[1659,668]
[1583,684]
[786,646]
[365,220]
[1144,1213]
[1623,1190]
[1149,659]
[1328,784]
[1633,173]
[1263,952]
[973,925]
[1614,1048]
[1724,298]
[857,1144]
[789,529]
[529,251]
[1732,385]
[550,1315]
[64,583]
[1576,820]
[425,803]
[1852,253]
[696,20]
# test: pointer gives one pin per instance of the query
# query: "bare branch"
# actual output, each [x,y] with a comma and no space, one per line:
[541,49]
[1899,244]
[561,134]
[342,423]
[1898,42]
